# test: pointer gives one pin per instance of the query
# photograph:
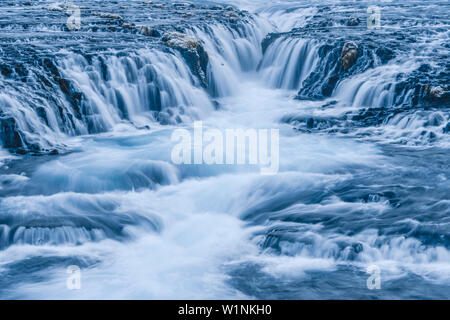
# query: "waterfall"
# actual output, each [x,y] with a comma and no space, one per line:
[141,87]
[232,52]
[361,131]
[94,93]
[21,123]
[376,87]
[287,62]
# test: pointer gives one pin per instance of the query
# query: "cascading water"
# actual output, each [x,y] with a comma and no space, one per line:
[288,62]
[364,138]
[135,85]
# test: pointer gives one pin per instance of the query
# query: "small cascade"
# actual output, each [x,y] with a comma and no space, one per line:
[68,219]
[376,87]
[140,87]
[287,62]
[232,51]
[21,125]
[38,236]
[418,128]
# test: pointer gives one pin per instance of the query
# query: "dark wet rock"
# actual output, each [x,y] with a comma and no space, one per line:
[436,120]
[385,54]
[42,114]
[374,116]
[349,55]
[353,22]
[181,4]
[446,128]
[353,250]
[127,25]
[21,71]
[432,95]
[10,134]
[5,70]
[149,31]
[233,16]
[192,51]
[73,96]
[48,64]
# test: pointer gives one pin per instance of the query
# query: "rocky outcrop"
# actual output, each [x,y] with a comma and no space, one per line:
[192,51]
[349,55]
[147,31]
[181,41]
[434,95]
[10,133]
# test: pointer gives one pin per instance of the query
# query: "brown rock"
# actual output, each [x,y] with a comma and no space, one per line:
[349,55]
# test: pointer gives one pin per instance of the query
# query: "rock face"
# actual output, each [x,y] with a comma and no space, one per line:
[447,128]
[349,55]
[192,51]
[437,95]
[180,41]
[9,133]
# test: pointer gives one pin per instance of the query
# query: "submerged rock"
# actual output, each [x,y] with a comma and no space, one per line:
[446,128]
[10,133]
[349,55]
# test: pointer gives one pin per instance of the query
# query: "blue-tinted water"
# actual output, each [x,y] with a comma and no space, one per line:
[86,176]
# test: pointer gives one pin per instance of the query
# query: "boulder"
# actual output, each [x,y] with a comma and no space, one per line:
[10,133]
[349,55]
[353,22]
[180,40]
[148,31]
[446,128]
